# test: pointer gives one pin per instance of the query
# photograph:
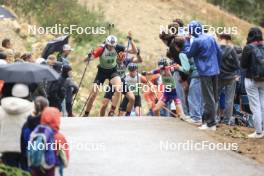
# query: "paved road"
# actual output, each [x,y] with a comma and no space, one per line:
[147,147]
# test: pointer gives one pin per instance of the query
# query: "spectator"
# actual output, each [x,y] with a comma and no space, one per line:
[26,57]
[13,114]
[17,56]
[59,90]
[6,43]
[53,63]
[71,89]
[3,58]
[32,122]
[181,31]
[39,89]
[10,55]
[50,118]
[253,52]
[228,73]
[64,55]
[206,54]
[181,75]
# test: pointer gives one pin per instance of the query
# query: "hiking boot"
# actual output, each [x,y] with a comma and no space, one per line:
[256,135]
[205,127]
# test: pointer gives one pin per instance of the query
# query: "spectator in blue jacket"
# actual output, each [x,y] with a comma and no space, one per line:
[206,54]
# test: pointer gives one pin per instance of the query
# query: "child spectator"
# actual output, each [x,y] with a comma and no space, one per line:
[32,122]
[50,121]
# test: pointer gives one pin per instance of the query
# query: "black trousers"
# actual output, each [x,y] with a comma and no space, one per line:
[209,86]
[11,159]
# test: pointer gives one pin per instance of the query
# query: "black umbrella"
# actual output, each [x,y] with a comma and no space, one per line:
[55,45]
[27,73]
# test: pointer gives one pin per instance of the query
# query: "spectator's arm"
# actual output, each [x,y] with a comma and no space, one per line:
[185,65]
[218,54]
[236,60]
[245,59]
[194,50]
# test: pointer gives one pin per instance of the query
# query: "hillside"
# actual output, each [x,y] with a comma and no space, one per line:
[144,17]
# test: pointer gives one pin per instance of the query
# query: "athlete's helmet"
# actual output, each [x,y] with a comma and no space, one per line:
[163,62]
[111,40]
[132,66]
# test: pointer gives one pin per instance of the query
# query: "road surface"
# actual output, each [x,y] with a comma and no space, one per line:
[148,146]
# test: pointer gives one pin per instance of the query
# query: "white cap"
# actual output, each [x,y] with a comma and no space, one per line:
[67,47]
[20,91]
[40,60]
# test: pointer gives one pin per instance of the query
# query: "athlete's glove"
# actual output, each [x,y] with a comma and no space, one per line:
[144,73]
[129,36]
[138,51]
[89,57]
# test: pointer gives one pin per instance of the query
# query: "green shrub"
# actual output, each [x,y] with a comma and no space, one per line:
[48,13]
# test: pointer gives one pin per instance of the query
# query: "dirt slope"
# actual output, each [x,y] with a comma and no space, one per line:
[144,17]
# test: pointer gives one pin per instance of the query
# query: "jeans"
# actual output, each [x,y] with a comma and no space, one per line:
[255,92]
[229,88]
[180,92]
[63,108]
[209,86]
[195,100]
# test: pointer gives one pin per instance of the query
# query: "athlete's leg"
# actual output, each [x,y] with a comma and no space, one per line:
[179,108]
[92,96]
[116,82]
[157,108]
[131,100]
[105,103]
[123,107]
[138,105]
[107,98]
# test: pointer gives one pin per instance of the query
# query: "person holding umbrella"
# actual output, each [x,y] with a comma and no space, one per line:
[57,89]
[26,73]
[63,58]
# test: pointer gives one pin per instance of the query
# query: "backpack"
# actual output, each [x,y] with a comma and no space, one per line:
[257,65]
[39,151]
[57,89]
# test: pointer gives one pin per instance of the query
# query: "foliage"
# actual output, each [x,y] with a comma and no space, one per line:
[49,13]
[250,10]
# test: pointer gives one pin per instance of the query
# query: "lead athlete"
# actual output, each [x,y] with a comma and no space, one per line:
[107,69]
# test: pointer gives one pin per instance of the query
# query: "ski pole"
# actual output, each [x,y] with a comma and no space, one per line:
[85,104]
[110,25]
[139,110]
[80,84]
